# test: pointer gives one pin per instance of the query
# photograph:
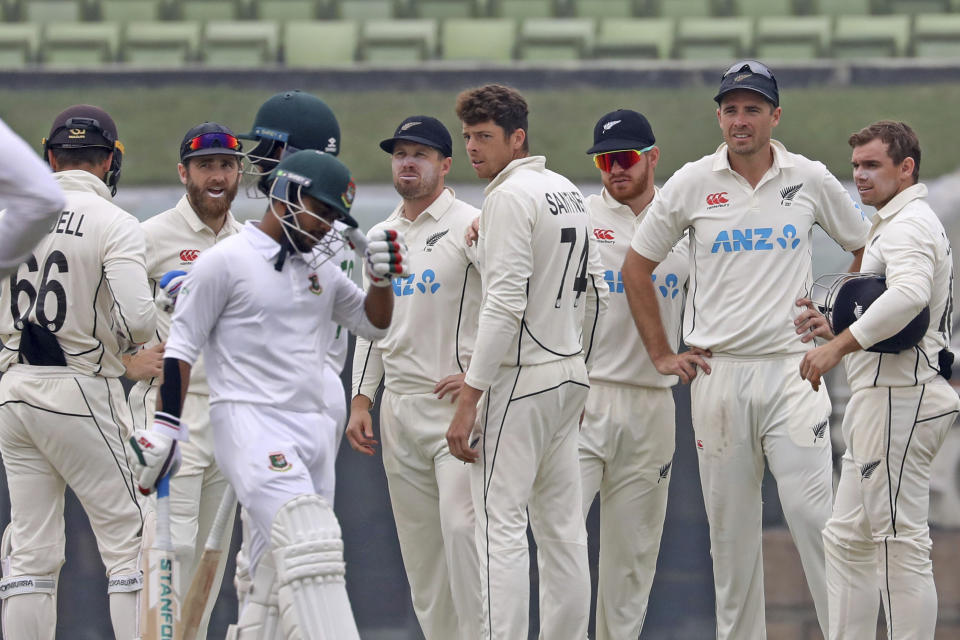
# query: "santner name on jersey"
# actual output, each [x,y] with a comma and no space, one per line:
[565,202]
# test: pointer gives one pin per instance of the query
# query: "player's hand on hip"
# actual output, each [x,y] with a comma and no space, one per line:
[460,431]
[472,234]
[386,257]
[817,362]
[157,454]
[169,290]
[360,432]
[145,364]
[811,323]
[451,386]
[684,364]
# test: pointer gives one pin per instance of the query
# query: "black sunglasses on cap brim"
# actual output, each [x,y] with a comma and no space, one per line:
[749,65]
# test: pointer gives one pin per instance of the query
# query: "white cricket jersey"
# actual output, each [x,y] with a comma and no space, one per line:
[618,352]
[344,258]
[436,308]
[263,332]
[85,281]
[29,196]
[909,246]
[535,264]
[175,239]
[750,248]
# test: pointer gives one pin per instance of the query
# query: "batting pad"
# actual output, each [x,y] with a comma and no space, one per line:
[308,553]
[259,611]
[34,613]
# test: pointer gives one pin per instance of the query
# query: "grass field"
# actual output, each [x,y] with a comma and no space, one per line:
[816,122]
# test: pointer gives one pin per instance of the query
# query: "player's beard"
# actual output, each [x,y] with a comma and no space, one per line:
[207,207]
[426,185]
[625,191]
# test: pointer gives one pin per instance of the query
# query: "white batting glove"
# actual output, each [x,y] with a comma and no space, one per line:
[169,289]
[386,257]
[157,452]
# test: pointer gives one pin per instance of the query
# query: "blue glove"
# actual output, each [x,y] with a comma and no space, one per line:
[169,288]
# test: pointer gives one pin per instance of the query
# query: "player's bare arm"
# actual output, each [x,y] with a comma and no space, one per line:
[638,285]
[360,426]
[144,364]
[450,385]
[857,260]
[817,362]
[811,323]
[461,427]
[472,234]
[379,306]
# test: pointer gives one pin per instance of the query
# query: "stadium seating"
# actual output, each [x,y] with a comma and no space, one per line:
[160,44]
[18,44]
[202,10]
[686,8]
[246,43]
[634,38]
[605,8]
[714,38]
[556,39]
[79,44]
[842,7]
[914,7]
[364,9]
[870,36]
[44,11]
[284,10]
[937,36]
[488,39]
[524,8]
[443,9]
[792,38]
[398,40]
[123,11]
[758,8]
[320,43]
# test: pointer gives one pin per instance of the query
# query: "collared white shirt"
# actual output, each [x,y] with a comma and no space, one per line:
[263,332]
[435,309]
[85,281]
[618,352]
[538,271]
[175,238]
[909,246]
[750,248]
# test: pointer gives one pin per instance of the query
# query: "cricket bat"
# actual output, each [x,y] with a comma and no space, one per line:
[162,614]
[202,583]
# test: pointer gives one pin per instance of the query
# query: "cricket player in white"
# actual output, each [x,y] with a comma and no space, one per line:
[878,539]
[751,207]
[209,168]
[421,362]
[629,427]
[30,200]
[65,315]
[275,280]
[540,281]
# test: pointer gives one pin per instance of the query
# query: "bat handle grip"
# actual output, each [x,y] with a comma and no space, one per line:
[227,505]
[163,513]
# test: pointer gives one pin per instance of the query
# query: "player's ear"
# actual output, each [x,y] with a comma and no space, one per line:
[445,165]
[182,170]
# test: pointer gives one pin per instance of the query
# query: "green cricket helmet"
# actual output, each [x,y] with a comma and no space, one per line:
[289,122]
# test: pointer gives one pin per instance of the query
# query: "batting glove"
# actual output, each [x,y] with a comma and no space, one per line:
[169,289]
[157,451]
[386,257]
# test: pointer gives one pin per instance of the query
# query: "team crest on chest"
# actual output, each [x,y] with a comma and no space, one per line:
[434,239]
[278,462]
[787,194]
[315,287]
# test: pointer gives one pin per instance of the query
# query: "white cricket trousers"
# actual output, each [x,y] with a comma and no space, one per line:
[627,441]
[61,429]
[745,411]
[878,540]
[433,510]
[528,423]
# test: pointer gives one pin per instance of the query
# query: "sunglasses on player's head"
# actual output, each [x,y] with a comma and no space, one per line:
[626,158]
[750,65]
[214,141]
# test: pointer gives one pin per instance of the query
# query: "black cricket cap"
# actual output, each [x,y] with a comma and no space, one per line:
[423,130]
[621,130]
[752,76]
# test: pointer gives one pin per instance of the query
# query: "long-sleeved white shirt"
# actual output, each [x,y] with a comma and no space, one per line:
[538,271]
[85,281]
[750,248]
[264,333]
[30,197]
[618,353]
[436,308]
[909,246]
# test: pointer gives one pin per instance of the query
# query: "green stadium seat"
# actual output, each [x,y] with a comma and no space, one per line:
[842,7]
[714,38]
[686,8]
[247,43]
[443,9]
[203,10]
[758,8]
[398,40]
[130,10]
[79,44]
[856,37]
[556,38]
[937,36]
[603,9]
[284,10]
[634,38]
[320,43]
[44,11]
[481,39]
[792,38]
[18,44]
[914,7]
[365,9]
[524,8]
[160,44]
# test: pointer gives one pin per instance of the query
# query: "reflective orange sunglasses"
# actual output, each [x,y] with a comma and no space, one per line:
[625,158]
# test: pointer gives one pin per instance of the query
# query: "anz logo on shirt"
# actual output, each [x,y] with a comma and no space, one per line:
[426,283]
[669,287]
[756,239]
